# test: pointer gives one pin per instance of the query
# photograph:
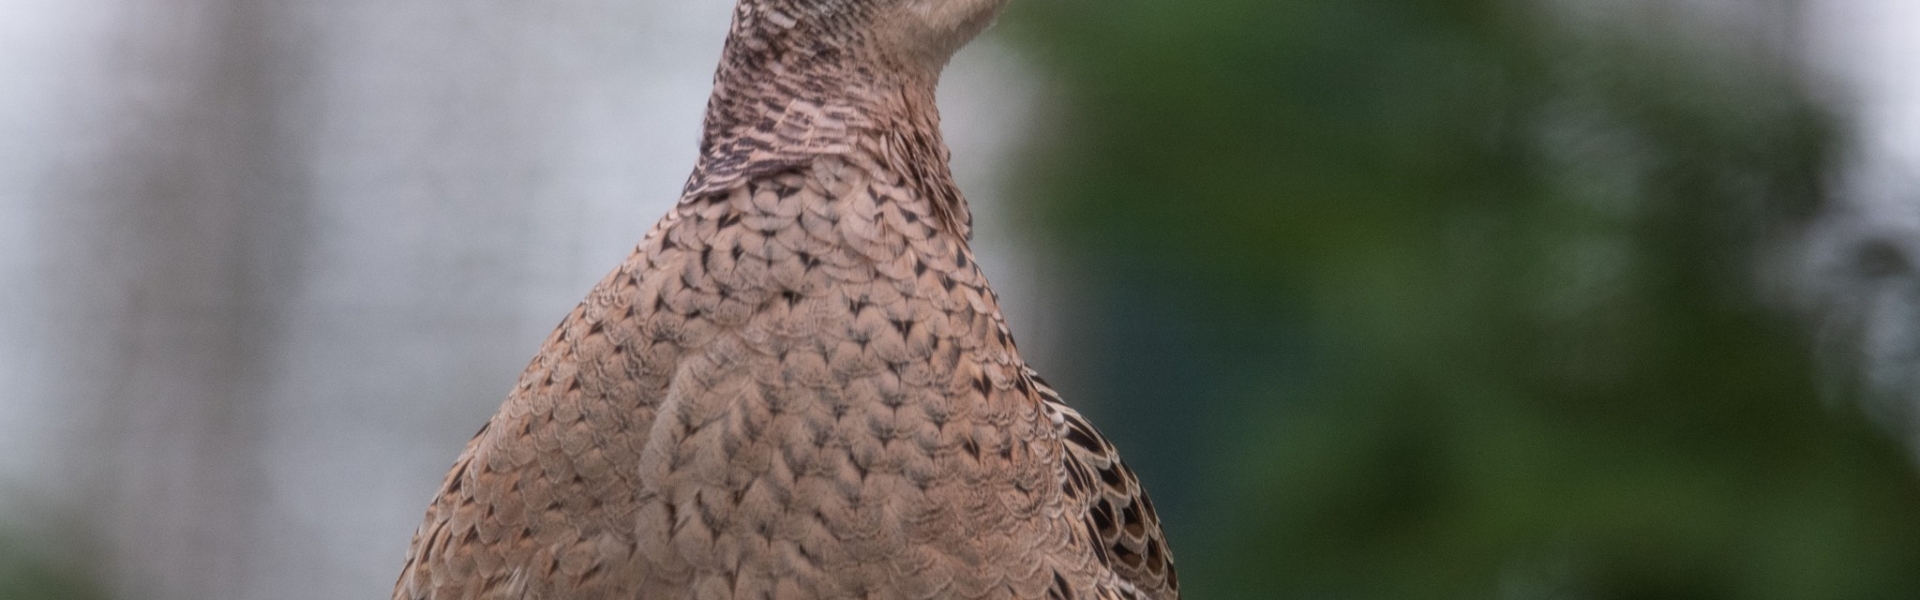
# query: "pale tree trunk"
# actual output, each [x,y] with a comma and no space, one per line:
[159,247]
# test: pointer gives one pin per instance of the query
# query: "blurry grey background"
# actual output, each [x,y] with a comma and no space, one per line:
[1864,255]
[265,265]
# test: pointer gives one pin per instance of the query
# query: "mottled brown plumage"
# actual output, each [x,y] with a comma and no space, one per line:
[799,385]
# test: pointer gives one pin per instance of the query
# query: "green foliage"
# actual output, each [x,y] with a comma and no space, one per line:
[27,574]
[1446,299]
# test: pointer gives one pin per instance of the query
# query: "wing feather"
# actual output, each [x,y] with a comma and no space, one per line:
[1125,529]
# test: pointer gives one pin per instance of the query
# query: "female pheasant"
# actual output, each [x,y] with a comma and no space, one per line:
[799,385]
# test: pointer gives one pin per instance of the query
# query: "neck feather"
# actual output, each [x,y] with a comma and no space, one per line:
[783,97]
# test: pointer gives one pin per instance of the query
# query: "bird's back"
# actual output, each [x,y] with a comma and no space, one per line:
[797,387]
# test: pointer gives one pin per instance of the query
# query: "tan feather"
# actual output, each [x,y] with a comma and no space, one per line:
[799,384]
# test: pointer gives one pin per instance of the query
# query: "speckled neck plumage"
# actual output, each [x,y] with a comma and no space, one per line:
[797,82]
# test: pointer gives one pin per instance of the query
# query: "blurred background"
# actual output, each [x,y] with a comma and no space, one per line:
[1514,299]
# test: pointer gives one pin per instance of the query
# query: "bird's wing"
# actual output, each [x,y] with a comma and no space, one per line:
[1118,514]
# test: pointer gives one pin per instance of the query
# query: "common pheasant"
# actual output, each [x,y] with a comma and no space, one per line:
[799,385]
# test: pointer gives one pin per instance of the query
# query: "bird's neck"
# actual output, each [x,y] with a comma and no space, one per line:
[775,109]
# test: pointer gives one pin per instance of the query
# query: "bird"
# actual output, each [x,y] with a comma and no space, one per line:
[799,384]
